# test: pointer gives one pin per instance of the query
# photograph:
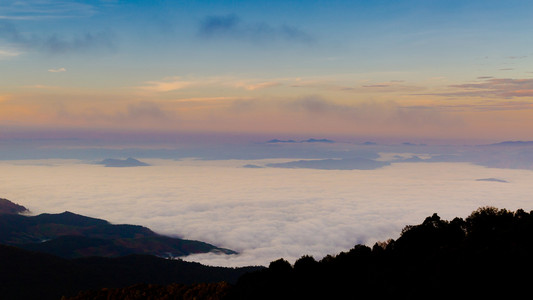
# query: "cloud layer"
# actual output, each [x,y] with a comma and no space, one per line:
[489,107]
[264,213]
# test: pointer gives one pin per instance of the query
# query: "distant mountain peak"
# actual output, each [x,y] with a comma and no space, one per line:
[273,141]
[492,179]
[333,164]
[118,163]
[71,235]
[310,140]
[251,166]
[70,218]
[513,143]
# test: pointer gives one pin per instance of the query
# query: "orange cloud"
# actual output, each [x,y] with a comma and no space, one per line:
[59,70]
[207,84]
[229,104]
[166,85]
[261,85]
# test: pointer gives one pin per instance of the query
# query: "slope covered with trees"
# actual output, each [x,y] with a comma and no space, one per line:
[490,254]
[71,235]
[34,275]
[8,207]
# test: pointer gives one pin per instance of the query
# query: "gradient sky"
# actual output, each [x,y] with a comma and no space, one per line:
[418,70]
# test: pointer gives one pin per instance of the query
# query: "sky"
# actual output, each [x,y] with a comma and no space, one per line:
[168,81]
[413,69]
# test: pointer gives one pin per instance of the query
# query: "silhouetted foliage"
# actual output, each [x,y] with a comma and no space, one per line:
[201,291]
[33,275]
[487,255]
[305,264]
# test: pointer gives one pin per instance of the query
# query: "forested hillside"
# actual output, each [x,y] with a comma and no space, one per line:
[488,254]
[70,235]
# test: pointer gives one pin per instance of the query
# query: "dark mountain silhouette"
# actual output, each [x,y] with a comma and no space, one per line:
[107,256]
[117,163]
[198,291]
[8,207]
[71,235]
[488,255]
[34,275]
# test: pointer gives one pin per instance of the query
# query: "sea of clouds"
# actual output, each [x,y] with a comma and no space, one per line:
[264,213]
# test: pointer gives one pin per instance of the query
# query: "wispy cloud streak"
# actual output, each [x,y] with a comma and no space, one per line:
[231,26]
[175,83]
[56,44]
[6,54]
[59,70]
[492,88]
[42,9]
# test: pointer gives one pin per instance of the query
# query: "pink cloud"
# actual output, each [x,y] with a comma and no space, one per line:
[492,88]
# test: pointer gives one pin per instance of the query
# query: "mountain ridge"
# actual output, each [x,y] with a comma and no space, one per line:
[332,164]
[512,143]
[35,275]
[8,207]
[122,163]
[71,235]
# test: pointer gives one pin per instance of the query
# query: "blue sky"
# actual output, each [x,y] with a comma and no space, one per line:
[80,64]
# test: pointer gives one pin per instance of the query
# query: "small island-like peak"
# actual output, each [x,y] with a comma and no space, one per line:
[116,163]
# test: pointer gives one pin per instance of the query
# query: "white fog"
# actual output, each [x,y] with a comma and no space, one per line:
[264,213]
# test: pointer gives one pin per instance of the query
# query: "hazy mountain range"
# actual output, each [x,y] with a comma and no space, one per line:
[507,154]
[492,180]
[333,164]
[311,140]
